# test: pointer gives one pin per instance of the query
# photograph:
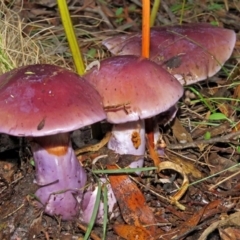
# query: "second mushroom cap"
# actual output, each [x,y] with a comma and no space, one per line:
[134,88]
[191,52]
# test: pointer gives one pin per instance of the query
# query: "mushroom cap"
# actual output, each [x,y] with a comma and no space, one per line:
[134,88]
[42,99]
[191,52]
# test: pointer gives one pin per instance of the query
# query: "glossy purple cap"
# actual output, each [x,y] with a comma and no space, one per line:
[42,99]
[191,52]
[134,88]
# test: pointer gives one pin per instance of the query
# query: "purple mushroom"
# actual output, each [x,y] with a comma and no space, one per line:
[88,202]
[191,52]
[45,103]
[132,90]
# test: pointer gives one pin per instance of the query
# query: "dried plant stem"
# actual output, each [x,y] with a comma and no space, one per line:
[224,139]
[145,28]
[182,11]
[72,40]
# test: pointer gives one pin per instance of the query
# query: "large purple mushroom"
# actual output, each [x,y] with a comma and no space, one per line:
[132,89]
[191,52]
[45,103]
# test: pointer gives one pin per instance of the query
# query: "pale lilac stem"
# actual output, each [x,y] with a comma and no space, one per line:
[61,180]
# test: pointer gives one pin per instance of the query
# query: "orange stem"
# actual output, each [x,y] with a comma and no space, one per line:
[145,53]
[145,28]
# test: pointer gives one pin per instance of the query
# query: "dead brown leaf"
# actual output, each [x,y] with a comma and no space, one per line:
[218,164]
[232,220]
[180,132]
[229,233]
[226,109]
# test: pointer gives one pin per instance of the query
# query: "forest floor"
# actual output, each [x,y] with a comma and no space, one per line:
[208,117]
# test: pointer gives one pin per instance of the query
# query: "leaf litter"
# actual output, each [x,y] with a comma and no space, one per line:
[203,140]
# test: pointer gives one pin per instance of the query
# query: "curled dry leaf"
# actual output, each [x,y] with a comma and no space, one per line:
[226,109]
[95,147]
[173,166]
[236,94]
[187,166]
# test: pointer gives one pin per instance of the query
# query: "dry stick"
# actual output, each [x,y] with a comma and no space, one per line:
[145,28]
[84,228]
[145,54]
[224,139]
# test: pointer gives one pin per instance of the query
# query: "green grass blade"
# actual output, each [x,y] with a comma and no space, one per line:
[123,170]
[94,214]
[202,99]
[182,12]
[154,12]
[105,207]
[71,37]
[5,63]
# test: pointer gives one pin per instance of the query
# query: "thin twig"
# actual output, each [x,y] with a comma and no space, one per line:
[22,205]
[104,17]
[93,235]
[169,12]
[224,139]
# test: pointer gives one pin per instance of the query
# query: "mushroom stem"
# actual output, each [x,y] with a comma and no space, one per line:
[150,124]
[129,138]
[59,175]
[89,200]
[151,135]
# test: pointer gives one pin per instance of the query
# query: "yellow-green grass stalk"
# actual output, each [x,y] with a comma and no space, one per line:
[71,37]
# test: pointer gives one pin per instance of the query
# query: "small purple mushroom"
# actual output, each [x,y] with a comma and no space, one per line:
[44,103]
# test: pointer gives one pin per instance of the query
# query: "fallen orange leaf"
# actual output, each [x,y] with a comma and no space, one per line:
[130,232]
[210,209]
[198,216]
[134,208]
